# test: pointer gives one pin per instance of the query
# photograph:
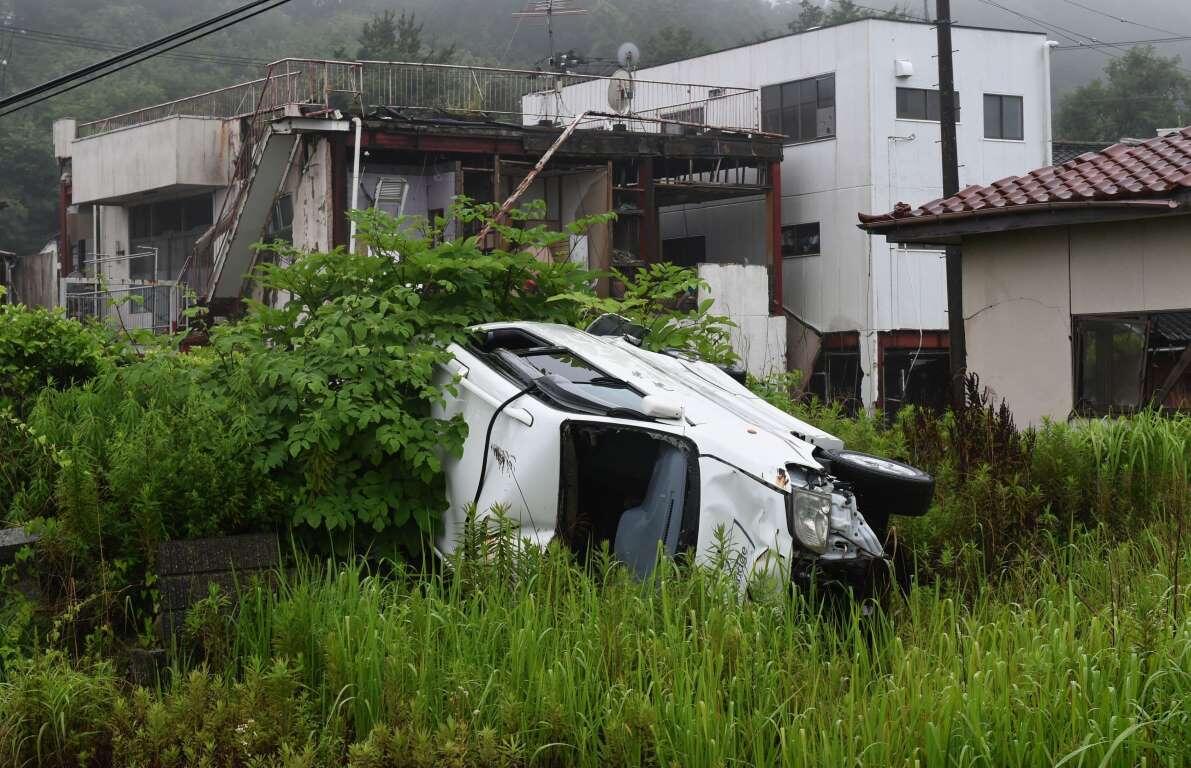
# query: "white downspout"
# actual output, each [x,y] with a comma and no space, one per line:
[1048,147]
[351,240]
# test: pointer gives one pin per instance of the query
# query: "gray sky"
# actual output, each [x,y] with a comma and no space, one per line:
[1072,21]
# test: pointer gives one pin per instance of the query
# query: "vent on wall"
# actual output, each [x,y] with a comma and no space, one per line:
[903,68]
[390,195]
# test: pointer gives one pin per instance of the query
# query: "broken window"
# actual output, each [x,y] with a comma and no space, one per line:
[800,240]
[803,110]
[563,378]
[837,375]
[914,377]
[169,228]
[1124,363]
[685,251]
[627,489]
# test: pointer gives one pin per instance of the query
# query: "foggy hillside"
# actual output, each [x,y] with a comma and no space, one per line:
[40,39]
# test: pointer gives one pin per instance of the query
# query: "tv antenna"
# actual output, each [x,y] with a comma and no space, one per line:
[547,10]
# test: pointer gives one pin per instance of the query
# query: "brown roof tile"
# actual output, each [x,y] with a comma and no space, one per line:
[1123,171]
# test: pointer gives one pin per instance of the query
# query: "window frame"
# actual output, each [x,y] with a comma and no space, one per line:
[1147,384]
[1021,115]
[795,86]
[926,104]
[794,229]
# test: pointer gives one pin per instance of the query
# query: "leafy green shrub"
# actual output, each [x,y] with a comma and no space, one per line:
[41,348]
[660,297]
[266,718]
[141,454]
[54,714]
[340,382]
[26,470]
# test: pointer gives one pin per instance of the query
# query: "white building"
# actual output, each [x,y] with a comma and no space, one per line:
[859,103]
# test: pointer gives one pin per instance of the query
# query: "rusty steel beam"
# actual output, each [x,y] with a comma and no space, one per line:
[529,178]
[467,145]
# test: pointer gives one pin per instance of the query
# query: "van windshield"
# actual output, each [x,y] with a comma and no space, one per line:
[572,382]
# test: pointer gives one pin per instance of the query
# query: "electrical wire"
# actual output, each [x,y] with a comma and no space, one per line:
[1121,19]
[88,74]
[40,36]
[1151,41]
[1078,38]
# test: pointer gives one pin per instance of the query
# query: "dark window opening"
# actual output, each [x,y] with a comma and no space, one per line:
[1125,363]
[802,110]
[170,228]
[800,240]
[837,376]
[1003,117]
[921,104]
[628,490]
[916,377]
[685,251]
[281,220]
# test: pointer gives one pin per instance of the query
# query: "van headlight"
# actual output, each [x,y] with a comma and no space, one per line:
[810,518]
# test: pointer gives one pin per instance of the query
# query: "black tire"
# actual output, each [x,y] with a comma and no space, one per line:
[883,487]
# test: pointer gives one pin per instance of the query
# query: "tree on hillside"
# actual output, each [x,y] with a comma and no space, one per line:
[389,37]
[671,43]
[811,14]
[1141,92]
[28,181]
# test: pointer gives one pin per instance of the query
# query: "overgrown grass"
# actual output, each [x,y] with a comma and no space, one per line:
[1082,657]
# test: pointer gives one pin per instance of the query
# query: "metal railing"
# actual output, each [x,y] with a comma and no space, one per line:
[527,97]
[157,307]
[233,101]
[521,97]
[106,291]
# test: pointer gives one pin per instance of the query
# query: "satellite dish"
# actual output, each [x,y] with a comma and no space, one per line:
[620,91]
[628,56]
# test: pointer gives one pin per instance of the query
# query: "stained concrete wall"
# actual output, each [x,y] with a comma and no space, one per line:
[1021,289]
[310,184]
[35,278]
[742,293]
[177,152]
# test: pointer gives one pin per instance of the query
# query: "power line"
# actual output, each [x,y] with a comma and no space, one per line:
[1151,41]
[1076,37]
[1060,31]
[146,51]
[137,55]
[1121,19]
[49,38]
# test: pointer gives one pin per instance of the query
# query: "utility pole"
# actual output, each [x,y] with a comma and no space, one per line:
[955,284]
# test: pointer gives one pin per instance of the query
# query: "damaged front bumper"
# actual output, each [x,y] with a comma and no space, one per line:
[824,519]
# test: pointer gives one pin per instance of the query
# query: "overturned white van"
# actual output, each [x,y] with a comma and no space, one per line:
[592,440]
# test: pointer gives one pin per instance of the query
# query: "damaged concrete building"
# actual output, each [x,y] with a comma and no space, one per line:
[166,202]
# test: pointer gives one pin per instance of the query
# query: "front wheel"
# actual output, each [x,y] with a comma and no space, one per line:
[883,487]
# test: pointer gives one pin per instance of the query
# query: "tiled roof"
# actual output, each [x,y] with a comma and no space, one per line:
[1063,151]
[1123,172]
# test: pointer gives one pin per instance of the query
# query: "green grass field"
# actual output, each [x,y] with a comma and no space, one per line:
[1082,658]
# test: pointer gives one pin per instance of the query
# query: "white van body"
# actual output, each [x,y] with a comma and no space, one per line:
[630,447]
